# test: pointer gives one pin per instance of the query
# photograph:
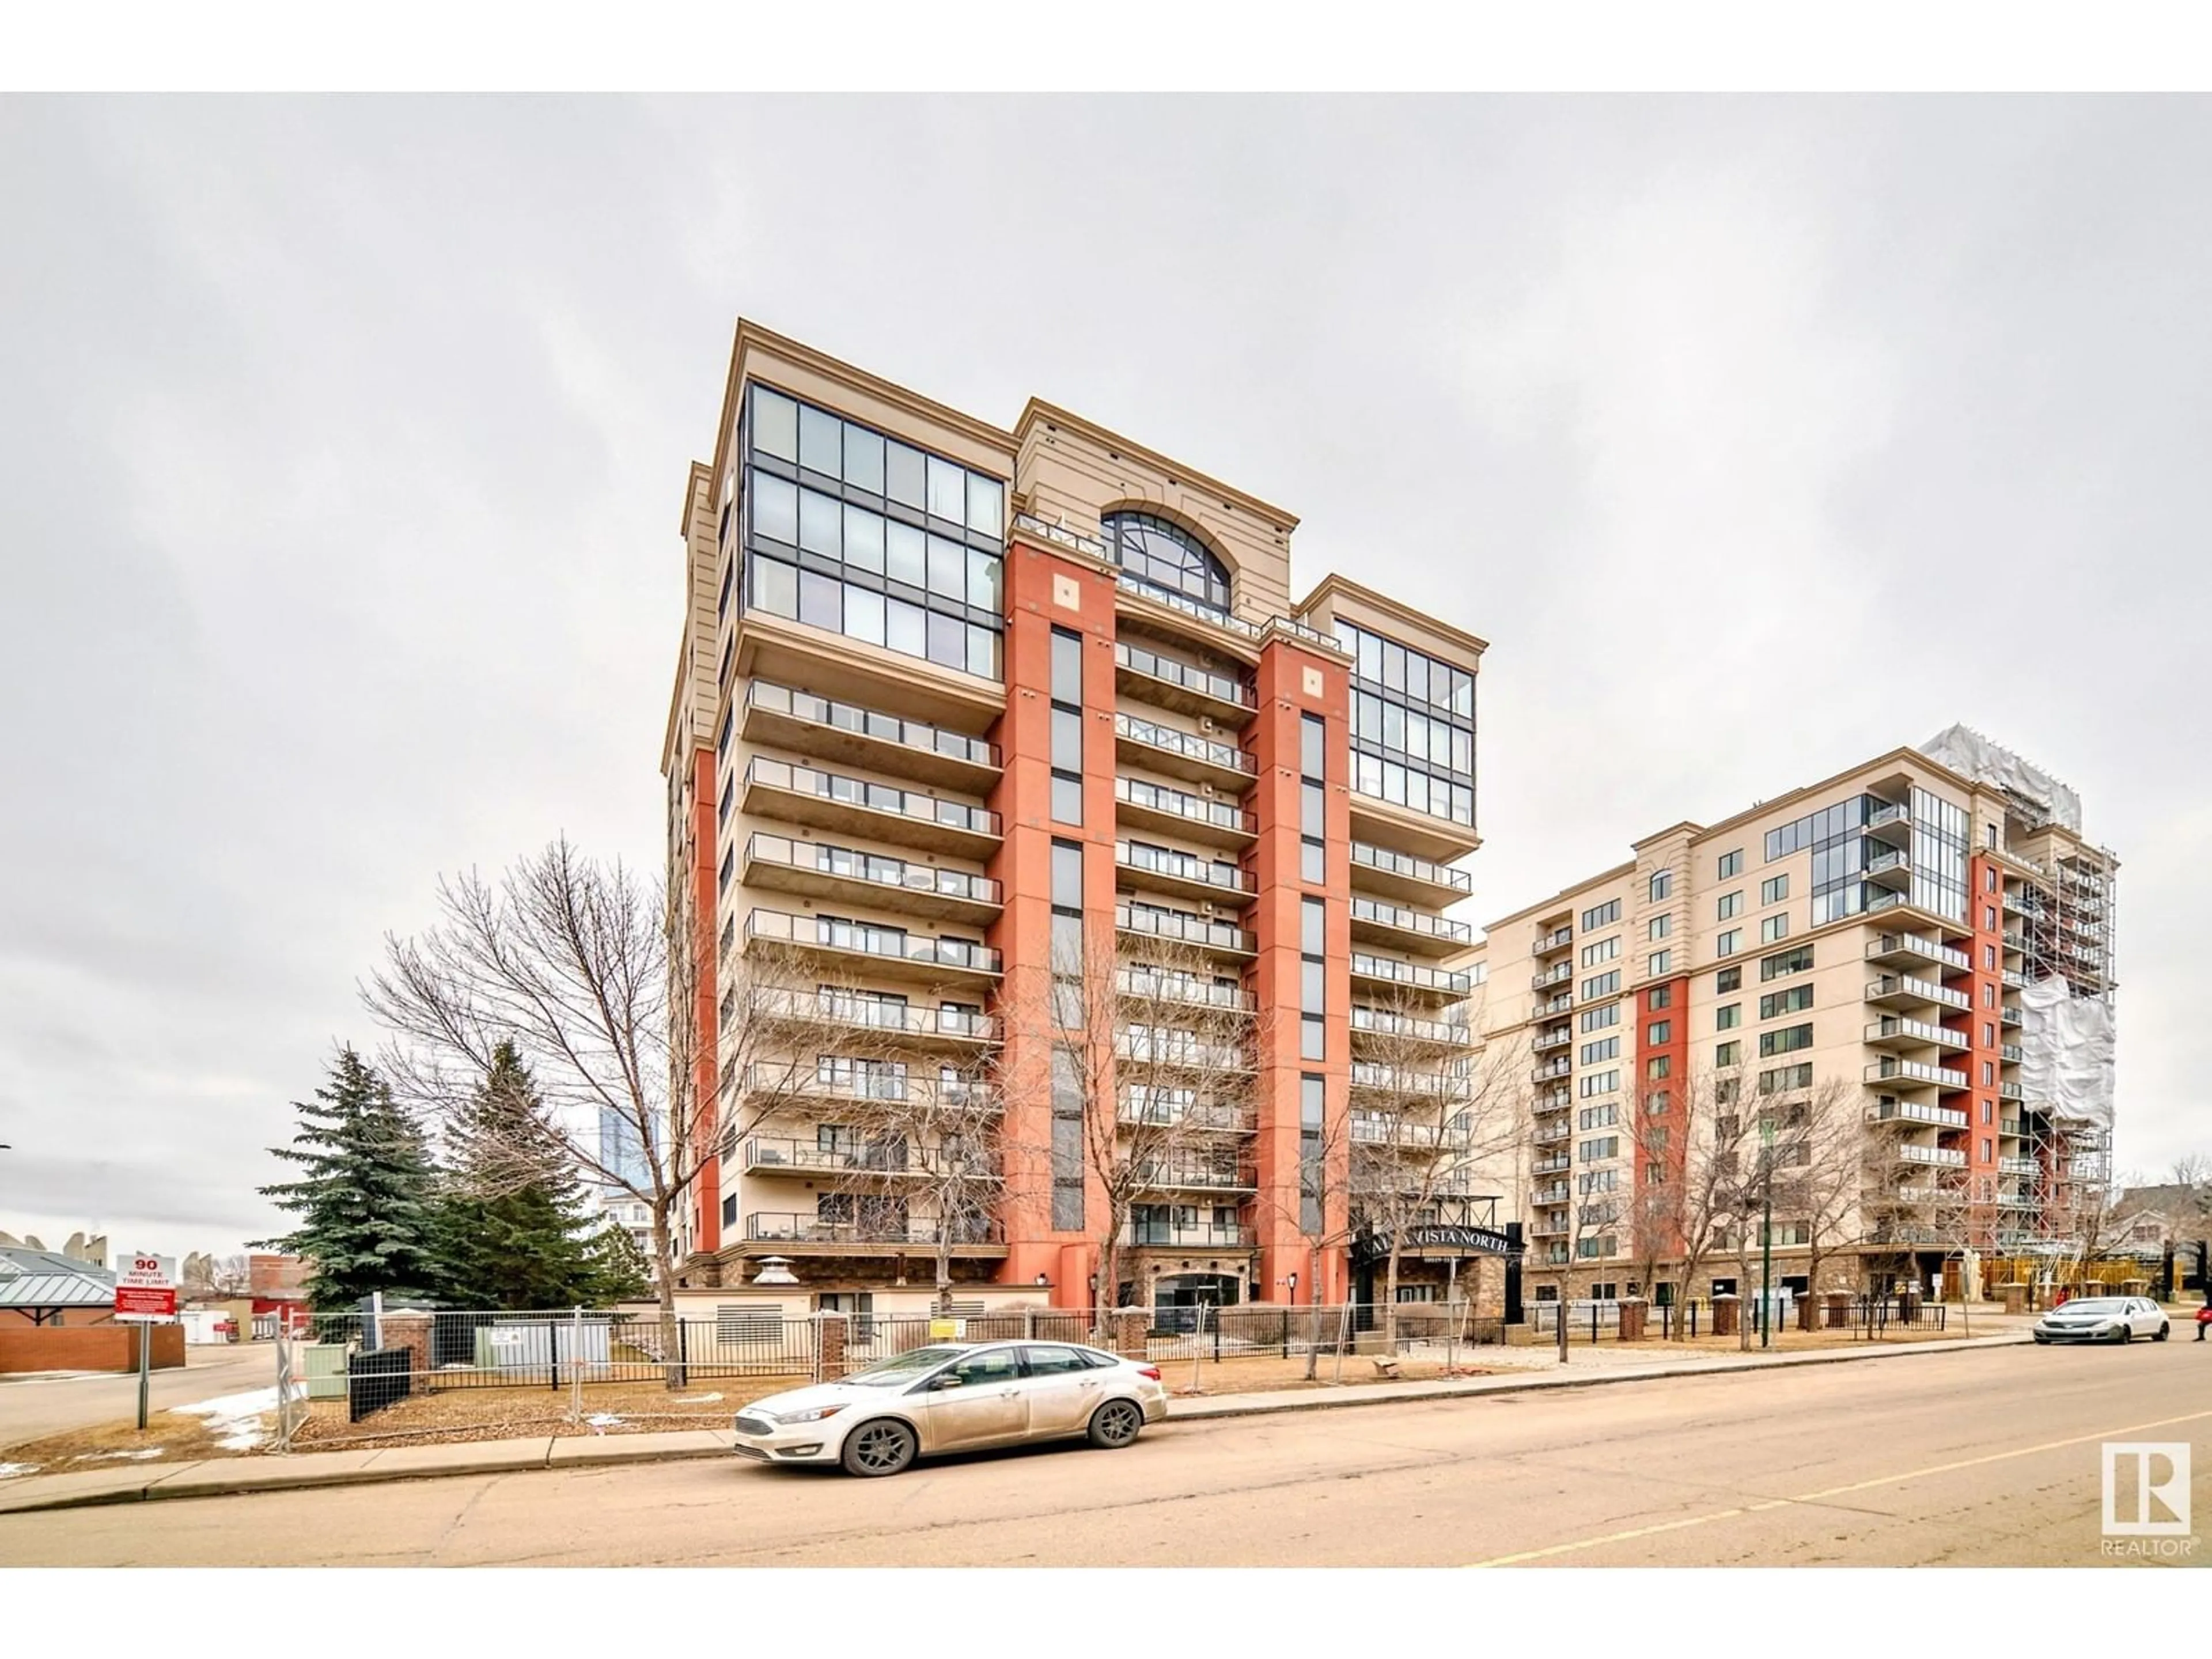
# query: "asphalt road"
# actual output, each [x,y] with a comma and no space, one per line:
[34,1407]
[1979,1458]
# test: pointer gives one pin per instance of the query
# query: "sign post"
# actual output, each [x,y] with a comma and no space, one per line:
[144,1297]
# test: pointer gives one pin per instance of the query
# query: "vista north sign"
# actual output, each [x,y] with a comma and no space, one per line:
[1442,1238]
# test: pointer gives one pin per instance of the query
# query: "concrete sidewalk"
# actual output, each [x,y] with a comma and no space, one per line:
[214,1477]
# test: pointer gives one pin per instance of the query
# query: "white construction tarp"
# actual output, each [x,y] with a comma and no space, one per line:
[1971,755]
[2066,1052]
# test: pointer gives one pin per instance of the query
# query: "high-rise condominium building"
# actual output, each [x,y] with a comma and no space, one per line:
[1044,859]
[1922,946]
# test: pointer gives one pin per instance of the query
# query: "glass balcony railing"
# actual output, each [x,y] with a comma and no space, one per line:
[1198,610]
[862,795]
[1204,1235]
[869,723]
[791,1227]
[892,943]
[1913,1111]
[875,868]
[1185,866]
[1189,745]
[1410,972]
[1405,864]
[1186,929]
[1164,1109]
[1905,987]
[1383,1022]
[1404,1080]
[1149,985]
[1158,797]
[1218,687]
[1941,1158]
[1197,1174]
[799,1155]
[1555,976]
[885,1082]
[1558,939]
[1888,1070]
[868,1013]
[1412,921]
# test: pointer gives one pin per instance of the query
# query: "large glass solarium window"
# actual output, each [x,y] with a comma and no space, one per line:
[1166,556]
[854,531]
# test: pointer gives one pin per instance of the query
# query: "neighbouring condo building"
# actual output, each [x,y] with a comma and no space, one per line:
[1924,942]
[1045,861]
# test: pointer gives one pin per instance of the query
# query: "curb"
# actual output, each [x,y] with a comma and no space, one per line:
[213,1479]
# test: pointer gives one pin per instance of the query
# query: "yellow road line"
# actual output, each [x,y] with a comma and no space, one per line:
[1604,1539]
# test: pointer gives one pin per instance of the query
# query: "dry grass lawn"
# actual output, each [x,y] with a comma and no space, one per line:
[170,1438]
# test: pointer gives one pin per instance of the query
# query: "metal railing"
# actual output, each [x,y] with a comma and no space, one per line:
[1411,973]
[781,927]
[1217,873]
[1383,1022]
[1148,984]
[1415,869]
[1558,939]
[1190,677]
[790,1227]
[1553,975]
[891,1083]
[1201,1117]
[896,1157]
[862,795]
[1227,757]
[1178,925]
[1890,985]
[1892,945]
[1410,920]
[875,868]
[869,723]
[871,1014]
[1891,1070]
[1158,798]
[1913,1111]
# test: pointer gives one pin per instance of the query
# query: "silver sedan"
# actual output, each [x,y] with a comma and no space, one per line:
[955,1396]
[2102,1319]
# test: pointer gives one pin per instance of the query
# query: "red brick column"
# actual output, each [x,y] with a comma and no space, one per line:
[410,1331]
[1725,1314]
[829,1347]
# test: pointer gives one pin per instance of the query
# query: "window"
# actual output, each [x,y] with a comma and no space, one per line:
[1773,890]
[1604,950]
[1164,554]
[1989,918]
[1731,904]
[1045,1361]
[1659,927]
[1990,958]
[1659,1067]
[1663,884]
[1596,1020]
[1798,961]
[1065,944]
[1988,1075]
[1659,1033]
[1731,864]
[1067,726]
[1412,727]
[1313,801]
[1727,1055]
[1598,1083]
[1311,1176]
[1597,1117]
[1729,979]
[1313,944]
[1728,1017]
[1988,996]
[1728,943]
[1604,1049]
[1784,1078]
[1604,1147]
[1988,1112]
[1774,928]
[1785,1040]
[1603,985]
[1658,997]
[1794,1000]
[1658,962]
[1990,1151]
[1068,1120]
[1603,915]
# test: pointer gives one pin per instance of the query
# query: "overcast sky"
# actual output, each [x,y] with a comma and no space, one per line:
[344,445]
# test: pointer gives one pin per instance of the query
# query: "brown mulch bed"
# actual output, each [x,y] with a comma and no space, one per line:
[457,1416]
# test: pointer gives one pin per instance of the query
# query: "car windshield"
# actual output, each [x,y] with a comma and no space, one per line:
[904,1368]
[2093,1306]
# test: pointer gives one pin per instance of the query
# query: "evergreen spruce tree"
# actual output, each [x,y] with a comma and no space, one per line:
[362,1206]
[621,1272]
[514,1223]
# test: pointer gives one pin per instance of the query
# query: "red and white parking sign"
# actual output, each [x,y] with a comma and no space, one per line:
[142,1291]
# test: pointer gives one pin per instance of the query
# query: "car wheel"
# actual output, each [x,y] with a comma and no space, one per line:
[2159,1335]
[2042,1340]
[1115,1424]
[2127,1333]
[882,1447]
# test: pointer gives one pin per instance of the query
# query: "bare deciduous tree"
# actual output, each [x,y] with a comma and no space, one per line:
[576,963]
[1690,1141]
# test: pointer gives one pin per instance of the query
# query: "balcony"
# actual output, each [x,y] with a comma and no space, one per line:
[1148,1235]
[1555,1100]
[1558,1037]
[1387,1131]
[1410,977]
[1553,1135]
[1368,1077]
[1194,1175]
[1913,1111]
[2012,905]
[2010,1018]
[1401,875]
[1897,949]
[1182,754]
[1550,1069]
[1551,1163]
[2011,1092]
[892,952]
[1562,1004]
[1179,1050]
[829,800]
[1550,1227]
[1180,614]
[777,1155]
[1893,1071]
[1184,874]
[827,730]
[1150,985]
[771,1086]
[1890,822]
[2014,944]
[1414,930]
[2008,1053]
[1556,975]
[1902,991]
[2011,1128]
[952,1029]
[788,1228]
[1167,683]
[1892,869]
[1217,938]
[2019,1166]
[1939,1158]
[2014,979]
[1142,1109]
[818,870]
[1388,1025]
[1895,1031]
[1558,939]
[1558,1192]
[1141,805]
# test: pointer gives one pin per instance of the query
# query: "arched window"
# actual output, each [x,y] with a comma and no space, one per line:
[1166,555]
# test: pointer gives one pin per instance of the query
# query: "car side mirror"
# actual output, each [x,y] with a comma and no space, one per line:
[945,1382]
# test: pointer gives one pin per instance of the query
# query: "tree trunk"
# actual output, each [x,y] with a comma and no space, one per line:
[943,1270]
[671,1344]
[1390,1297]
[1313,1348]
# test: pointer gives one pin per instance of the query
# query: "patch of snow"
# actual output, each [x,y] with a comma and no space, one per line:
[602,1421]
[694,1399]
[9,1471]
[236,1418]
[134,1456]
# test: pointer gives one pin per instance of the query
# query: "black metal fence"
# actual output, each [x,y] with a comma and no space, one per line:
[376,1378]
[1862,1317]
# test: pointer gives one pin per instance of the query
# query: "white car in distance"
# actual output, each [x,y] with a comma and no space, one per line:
[955,1396]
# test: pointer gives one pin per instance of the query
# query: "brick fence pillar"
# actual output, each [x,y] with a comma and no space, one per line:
[410,1331]
[1631,1322]
[1129,1327]
[829,1346]
[1725,1316]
